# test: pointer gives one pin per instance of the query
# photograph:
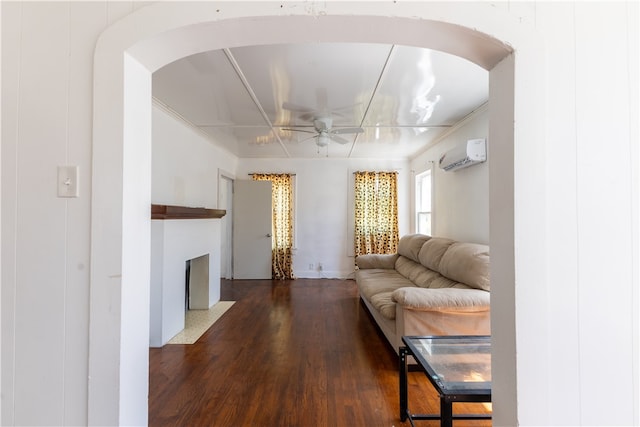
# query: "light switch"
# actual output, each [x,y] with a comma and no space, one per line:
[68,181]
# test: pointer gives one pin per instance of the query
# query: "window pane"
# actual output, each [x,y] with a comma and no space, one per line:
[424,223]
[423,203]
[424,195]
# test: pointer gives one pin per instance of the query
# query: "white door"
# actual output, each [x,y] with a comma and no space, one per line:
[252,229]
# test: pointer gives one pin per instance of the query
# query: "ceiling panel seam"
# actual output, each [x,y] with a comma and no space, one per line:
[254,98]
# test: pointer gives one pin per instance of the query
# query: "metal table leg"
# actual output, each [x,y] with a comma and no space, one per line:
[446,413]
[403,383]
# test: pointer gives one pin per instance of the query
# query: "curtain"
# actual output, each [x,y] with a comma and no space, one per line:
[376,213]
[282,226]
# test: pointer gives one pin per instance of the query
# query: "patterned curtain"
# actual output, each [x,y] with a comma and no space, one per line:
[376,212]
[282,227]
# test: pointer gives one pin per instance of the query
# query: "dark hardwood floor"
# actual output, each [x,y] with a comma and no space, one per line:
[288,353]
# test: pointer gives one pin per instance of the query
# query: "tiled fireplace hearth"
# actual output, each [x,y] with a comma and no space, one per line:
[173,243]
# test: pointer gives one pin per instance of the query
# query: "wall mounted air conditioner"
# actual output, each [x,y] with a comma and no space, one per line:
[466,154]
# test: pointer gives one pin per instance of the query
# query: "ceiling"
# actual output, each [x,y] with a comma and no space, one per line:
[260,101]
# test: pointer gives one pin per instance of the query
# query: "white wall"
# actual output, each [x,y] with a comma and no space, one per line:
[591,206]
[589,290]
[185,164]
[323,202]
[47,108]
[460,198]
[185,168]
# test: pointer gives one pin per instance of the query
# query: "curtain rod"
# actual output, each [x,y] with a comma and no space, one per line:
[396,171]
[271,173]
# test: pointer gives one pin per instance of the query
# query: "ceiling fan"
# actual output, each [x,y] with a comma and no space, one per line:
[324,133]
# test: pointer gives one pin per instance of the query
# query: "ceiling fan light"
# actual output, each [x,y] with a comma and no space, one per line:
[323,140]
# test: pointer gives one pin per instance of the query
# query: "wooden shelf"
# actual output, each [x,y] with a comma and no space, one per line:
[184,212]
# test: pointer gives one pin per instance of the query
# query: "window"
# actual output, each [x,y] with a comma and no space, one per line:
[423,203]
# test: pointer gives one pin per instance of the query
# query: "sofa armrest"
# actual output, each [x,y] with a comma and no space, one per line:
[424,299]
[384,261]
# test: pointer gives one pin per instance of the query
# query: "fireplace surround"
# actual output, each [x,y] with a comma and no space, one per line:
[174,241]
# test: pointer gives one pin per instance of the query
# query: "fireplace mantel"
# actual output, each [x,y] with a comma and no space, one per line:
[184,212]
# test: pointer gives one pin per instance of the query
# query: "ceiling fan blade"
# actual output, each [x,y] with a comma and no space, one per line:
[308,117]
[347,130]
[296,108]
[308,138]
[339,139]
[345,107]
[298,130]
[339,114]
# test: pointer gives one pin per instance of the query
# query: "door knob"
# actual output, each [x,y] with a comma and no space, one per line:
[268,234]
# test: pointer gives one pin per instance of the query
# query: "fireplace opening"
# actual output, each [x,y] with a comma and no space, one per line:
[197,283]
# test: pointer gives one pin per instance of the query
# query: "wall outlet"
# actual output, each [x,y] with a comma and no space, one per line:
[310,266]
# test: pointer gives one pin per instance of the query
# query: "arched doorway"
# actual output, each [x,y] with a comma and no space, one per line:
[126,55]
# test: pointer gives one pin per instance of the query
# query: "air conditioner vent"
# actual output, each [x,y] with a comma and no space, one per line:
[467,154]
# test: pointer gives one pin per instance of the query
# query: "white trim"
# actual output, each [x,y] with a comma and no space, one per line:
[163,32]
[173,113]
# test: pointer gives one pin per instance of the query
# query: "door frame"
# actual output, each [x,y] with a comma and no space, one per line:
[153,36]
[226,248]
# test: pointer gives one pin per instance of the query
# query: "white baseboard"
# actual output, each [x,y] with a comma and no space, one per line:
[310,274]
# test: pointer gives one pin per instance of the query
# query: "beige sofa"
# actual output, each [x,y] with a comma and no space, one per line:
[432,286]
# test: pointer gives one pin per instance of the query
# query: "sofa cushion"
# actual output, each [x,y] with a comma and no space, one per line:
[432,251]
[417,273]
[422,277]
[409,268]
[375,280]
[426,278]
[467,263]
[410,244]
[470,300]
[441,282]
[376,261]
[384,304]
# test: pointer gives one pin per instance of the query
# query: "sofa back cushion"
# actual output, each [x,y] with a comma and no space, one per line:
[412,270]
[467,263]
[410,245]
[432,251]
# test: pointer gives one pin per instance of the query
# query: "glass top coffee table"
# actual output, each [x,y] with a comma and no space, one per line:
[459,367]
